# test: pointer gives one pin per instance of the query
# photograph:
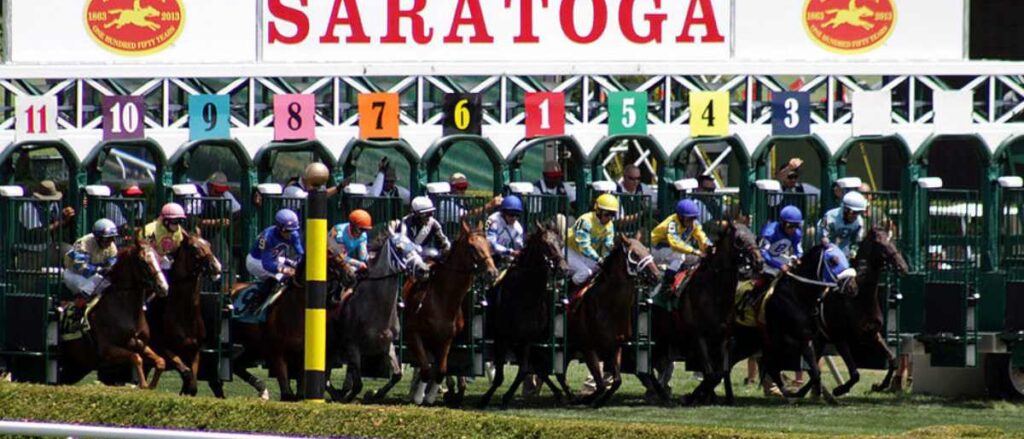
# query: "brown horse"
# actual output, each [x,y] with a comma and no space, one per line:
[178,327]
[117,320]
[602,321]
[433,310]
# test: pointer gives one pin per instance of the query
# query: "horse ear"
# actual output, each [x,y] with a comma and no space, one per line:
[539,225]
[465,228]
[638,236]
[197,232]
[140,237]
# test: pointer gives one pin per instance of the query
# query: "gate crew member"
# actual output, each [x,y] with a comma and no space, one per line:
[166,233]
[679,241]
[843,226]
[503,229]
[425,234]
[90,258]
[551,182]
[351,238]
[592,238]
[276,253]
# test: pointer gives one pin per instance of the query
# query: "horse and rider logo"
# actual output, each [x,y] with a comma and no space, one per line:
[849,26]
[134,27]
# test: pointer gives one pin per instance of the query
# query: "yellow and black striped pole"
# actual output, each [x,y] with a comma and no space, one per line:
[316,176]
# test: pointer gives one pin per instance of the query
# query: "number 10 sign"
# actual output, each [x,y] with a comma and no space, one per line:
[124,117]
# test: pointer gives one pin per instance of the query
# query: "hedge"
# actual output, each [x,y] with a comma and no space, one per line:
[139,408]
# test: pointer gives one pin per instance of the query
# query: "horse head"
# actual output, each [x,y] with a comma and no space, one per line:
[195,257]
[639,262]
[737,241]
[139,263]
[473,245]
[546,243]
[878,251]
[826,266]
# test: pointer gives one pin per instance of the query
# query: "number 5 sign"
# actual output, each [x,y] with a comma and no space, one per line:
[294,117]
[545,114]
[36,117]
[709,113]
[791,113]
[378,116]
[124,117]
[627,113]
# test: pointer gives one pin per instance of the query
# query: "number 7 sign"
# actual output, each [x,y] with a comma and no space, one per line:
[35,117]
[378,116]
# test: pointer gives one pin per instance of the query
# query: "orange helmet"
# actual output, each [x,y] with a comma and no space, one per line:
[360,219]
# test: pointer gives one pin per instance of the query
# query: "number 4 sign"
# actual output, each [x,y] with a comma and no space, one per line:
[627,113]
[545,114]
[709,113]
[791,114]
[36,117]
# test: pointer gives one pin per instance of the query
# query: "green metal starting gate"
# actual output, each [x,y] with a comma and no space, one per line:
[550,210]
[30,286]
[769,204]
[213,216]
[129,214]
[635,216]
[952,232]
[715,206]
[884,212]
[1011,263]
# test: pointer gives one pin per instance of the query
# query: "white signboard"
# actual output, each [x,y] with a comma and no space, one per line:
[849,30]
[132,31]
[872,113]
[487,30]
[35,118]
[953,111]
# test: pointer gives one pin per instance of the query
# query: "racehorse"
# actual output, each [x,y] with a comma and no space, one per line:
[178,329]
[280,339]
[119,333]
[790,321]
[602,320]
[702,325]
[850,321]
[433,310]
[520,308]
[365,327]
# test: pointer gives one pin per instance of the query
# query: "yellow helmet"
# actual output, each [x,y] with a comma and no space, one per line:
[607,202]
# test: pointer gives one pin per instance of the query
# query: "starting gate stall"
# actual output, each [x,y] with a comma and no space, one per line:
[613,153]
[282,164]
[635,217]
[118,163]
[465,153]
[361,162]
[876,167]
[770,158]
[719,204]
[1004,372]
[723,159]
[128,213]
[526,163]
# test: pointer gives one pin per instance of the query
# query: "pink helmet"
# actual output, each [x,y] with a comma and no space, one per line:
[172,211]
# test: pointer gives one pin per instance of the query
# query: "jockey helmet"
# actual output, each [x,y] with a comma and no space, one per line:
[687,209]
[512,203]
[422,205]
[855,201]
[360,219]
[792,214]
[172,211]
[287,220]
[607,202]
[104,228]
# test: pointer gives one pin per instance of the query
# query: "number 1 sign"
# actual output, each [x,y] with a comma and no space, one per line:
[545,114]
[294,117]
[124,117]
[35,117]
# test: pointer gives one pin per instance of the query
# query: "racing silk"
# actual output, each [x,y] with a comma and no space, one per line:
[86,256]
[429,235]
[504,237]
[839,232]
[273,251]
[672,233]
[355,247]
[164,241]
[777,247]
[562,189]
[590,238]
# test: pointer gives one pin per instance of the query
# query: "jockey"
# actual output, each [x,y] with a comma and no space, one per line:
[503,229]
[274,256]
[844,226]
[679,240]
[166,233]
[352,237]
[425,235]
[592,238]
[91,257]
[780,241]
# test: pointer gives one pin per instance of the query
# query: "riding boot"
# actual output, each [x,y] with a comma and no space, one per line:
[666,283]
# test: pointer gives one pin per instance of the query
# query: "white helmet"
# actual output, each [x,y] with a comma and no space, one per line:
[855,201]
[421,205]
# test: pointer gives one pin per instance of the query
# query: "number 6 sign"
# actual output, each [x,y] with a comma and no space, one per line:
[124,117]
[294,117]
[545,114]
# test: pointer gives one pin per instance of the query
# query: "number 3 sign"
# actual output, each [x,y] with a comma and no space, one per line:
[294,117]
[791,113]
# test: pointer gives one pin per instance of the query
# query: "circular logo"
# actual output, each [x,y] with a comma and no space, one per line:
[849,26]
[134,27]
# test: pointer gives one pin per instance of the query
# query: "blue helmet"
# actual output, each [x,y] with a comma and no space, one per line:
[287,220]
[512,203]
[687,209]
[104,228]
[791,214]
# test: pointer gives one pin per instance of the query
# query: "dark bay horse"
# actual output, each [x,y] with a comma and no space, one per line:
[602,321]
[178,329]
[433,310]
[853,321]
[701,326]
[365,328]
[520,307]
[117,322]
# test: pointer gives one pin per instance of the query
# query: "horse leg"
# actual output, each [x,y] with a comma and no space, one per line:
[844,352]
[252,380]
[499,373]
[890,358]
[279,367]
[439,373]
[416,345]
[554,389]
[702,394]
[183,370]
[616,380]
[594,366]
[158,367]
[194,388]
[727,373]
[524,364]
[396,376]
[354,365]
[570,397]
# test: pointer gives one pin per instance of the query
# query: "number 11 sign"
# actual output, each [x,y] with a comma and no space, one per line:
[35,117]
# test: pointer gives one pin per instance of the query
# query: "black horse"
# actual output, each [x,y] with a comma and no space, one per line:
[519,310]
[856,321]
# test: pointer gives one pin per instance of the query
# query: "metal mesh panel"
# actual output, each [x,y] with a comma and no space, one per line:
[381,209]
[715,206]
[1011,234]
[452,209]
[542,208]
[635,216]
[952,235]
[272,203]
[129,214]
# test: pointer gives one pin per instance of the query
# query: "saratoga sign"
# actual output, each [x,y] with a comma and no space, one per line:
[495,30]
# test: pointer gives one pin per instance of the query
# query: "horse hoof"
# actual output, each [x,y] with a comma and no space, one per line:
[265,395]
[840,391]
[830,399]
[370,397]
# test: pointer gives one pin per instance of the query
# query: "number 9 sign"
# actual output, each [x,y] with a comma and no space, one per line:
[462,113]
[294,117]
[209,117]
[791,113]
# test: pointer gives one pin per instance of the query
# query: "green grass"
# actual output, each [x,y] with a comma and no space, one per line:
[861,412]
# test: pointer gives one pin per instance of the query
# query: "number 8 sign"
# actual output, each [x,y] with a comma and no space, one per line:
[294,117]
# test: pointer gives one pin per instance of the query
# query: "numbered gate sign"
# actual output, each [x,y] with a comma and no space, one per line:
[294,117]
[709,113]
[209,117]
[35,117]
[462,113]
[124,117]
[627,113]
[791,113]
[378,116]
[545,114]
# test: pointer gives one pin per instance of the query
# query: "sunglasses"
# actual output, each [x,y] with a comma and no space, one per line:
[606,215]
[792,177]
[175,221]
